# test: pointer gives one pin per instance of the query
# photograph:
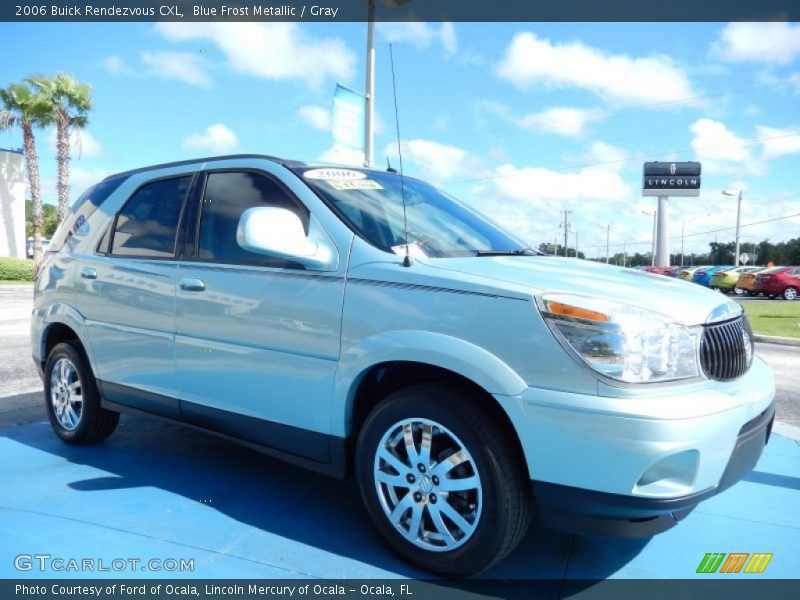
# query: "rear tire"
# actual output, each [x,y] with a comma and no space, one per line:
[442,481]
[72,399]
[790,293]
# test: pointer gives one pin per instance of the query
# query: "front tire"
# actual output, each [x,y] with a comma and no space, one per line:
[442,481]
[790,293]
[72,399]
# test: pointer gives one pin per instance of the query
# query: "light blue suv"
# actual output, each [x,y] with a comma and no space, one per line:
[356,321]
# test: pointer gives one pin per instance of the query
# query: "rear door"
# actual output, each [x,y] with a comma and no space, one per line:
[126,292]
[257,337]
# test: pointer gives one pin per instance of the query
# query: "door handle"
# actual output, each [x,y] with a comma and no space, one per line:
[88,273]
[190,284]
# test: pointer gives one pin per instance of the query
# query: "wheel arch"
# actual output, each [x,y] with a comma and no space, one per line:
[63,323]
[396,362]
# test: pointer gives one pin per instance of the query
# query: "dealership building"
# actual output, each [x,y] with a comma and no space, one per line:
[12,204]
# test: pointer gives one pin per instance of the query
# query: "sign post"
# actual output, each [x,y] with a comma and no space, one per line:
[665,179]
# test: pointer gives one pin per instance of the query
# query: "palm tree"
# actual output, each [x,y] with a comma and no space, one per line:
[25,108]
[70,101]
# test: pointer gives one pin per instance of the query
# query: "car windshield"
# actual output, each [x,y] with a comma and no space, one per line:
[371,203]
[774,270]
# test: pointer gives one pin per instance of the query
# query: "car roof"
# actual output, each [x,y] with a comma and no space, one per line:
[288,163]
[285,162]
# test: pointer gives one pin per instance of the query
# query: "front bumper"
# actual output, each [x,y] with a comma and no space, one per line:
[584,511]
[639,454]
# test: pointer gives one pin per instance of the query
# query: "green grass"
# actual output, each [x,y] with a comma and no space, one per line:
[16,269]
[774,318]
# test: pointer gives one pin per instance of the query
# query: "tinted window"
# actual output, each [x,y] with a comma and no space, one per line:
[227,196]
[84,207]
[148,223]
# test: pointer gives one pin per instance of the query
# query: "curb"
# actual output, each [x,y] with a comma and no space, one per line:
[788,431]
[774,339]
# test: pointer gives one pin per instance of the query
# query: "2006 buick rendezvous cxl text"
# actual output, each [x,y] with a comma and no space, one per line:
[471,385]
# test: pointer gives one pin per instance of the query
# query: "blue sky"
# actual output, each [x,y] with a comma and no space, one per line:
[520,120]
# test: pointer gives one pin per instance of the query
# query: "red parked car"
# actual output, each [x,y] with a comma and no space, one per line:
[779,281]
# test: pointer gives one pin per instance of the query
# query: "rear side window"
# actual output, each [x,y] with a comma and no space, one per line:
[227,195]
[147,225]
[84,207]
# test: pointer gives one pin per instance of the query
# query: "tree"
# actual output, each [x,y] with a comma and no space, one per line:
[70,101]
[26,108]
[49,219]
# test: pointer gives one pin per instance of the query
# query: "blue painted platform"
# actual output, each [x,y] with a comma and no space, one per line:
[155,490]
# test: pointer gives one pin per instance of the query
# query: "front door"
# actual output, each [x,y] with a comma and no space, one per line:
[257,338]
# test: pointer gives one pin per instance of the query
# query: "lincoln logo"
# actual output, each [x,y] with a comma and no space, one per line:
[672,169]
[689,182]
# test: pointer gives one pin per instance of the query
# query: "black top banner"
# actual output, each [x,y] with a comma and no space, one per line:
[401,10]
[672,168]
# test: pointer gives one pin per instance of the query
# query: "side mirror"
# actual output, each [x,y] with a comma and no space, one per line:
[279,233]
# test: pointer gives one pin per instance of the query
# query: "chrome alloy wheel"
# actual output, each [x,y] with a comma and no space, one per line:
[66,394]
[428,484]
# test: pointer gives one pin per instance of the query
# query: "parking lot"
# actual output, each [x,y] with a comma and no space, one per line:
[156,490]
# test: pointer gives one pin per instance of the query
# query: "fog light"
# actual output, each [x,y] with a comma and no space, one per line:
[670,476]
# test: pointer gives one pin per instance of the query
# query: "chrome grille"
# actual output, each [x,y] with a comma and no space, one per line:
[726,349]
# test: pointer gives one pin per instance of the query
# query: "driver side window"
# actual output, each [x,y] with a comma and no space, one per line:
[227,195]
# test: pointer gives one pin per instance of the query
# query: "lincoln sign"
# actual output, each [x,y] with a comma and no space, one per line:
[671,179]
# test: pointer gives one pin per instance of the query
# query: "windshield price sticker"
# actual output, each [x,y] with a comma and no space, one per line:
[355,184]
[334,174]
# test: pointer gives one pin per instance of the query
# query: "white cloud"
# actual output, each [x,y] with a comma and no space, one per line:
[534,62]
[434,161]
[560,120]
[83,144]
[420,35]
[218,139]
[343,155]
[183,66]
[794,80]
[776,142]
[715,142]
[612,157]
[115,64]
[777,42]
[316,117]
[538,184]
[80,179]
[278,51]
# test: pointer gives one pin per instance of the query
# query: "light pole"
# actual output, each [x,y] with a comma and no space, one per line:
[566,226]
[369,87]
[608,235]
[653,248]
[737,193]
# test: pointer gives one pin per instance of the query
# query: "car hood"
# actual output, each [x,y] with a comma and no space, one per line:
[681,301]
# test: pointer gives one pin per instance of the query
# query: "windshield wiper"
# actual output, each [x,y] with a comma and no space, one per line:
[519,252]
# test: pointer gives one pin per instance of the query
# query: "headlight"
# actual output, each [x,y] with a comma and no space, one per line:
[622,342]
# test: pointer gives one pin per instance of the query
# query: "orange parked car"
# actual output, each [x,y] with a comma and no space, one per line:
[745,285]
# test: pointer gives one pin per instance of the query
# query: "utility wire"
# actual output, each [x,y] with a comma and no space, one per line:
[520,172]
[608,114]
[699,233]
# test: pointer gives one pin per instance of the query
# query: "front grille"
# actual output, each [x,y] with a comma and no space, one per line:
[726,349]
